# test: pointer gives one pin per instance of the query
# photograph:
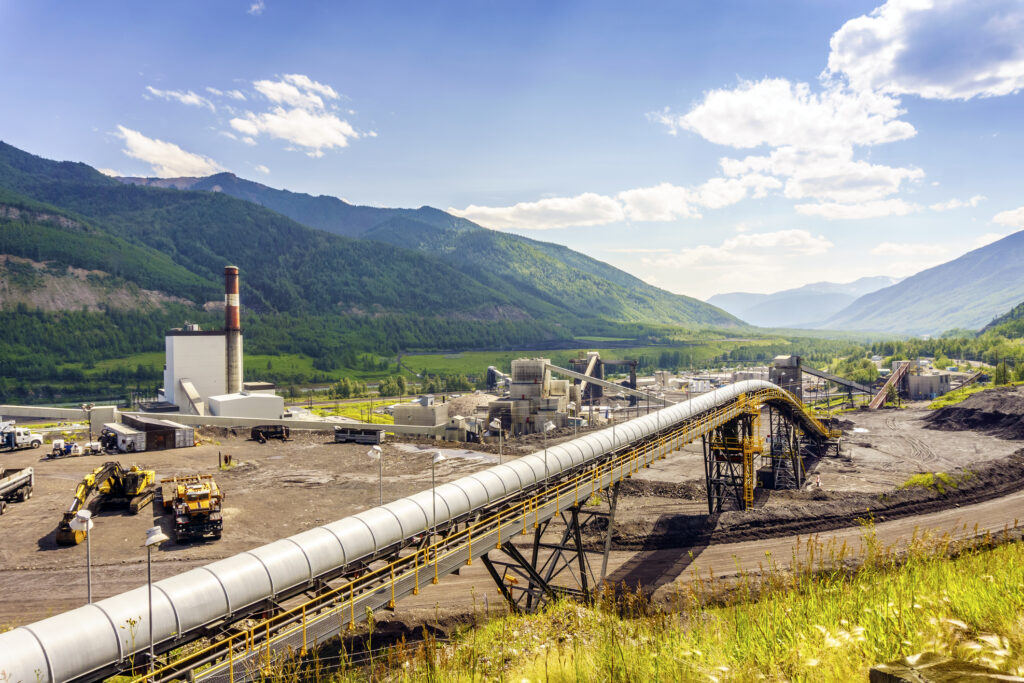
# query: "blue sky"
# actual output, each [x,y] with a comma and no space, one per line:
[703,146]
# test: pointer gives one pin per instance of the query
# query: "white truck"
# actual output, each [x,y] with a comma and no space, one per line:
[13,437]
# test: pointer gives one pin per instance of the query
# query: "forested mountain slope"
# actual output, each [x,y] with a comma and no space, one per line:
[548,277]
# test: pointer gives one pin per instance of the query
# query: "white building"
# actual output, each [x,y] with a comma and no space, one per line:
[194,367]
[265,406]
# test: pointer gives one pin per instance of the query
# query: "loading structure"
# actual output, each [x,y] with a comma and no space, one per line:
[373,559]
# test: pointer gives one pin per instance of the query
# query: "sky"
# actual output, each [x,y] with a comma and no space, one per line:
[705,147]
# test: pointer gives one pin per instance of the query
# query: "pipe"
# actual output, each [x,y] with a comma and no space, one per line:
[232,331]
[185,604]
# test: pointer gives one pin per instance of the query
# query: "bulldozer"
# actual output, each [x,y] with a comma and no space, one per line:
[115,486]
[196,502]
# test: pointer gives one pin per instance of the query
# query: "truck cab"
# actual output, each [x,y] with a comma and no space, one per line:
[13,437]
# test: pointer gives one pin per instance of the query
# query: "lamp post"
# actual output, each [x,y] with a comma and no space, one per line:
[154,536]
[375,453]
[437,457]
[83,522]
[87,407]
[548,426]
[496,424]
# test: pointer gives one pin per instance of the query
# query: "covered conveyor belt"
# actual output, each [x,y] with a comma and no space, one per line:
[475,515]
[894,381]
[604,383]
[842,381]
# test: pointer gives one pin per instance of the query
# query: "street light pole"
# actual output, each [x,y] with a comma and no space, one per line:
[83,522]
[375,453]
[436,458]
[496,424]
[155,536]
[548,426]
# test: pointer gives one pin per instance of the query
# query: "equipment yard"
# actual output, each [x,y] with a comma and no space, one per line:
[279,488]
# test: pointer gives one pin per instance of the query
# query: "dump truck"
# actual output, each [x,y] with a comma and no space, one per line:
[115,486]
[15,486]
[196,503]
[14,438]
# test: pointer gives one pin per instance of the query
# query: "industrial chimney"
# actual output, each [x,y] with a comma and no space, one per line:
[232,331]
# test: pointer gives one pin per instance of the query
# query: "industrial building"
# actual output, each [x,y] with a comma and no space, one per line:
[533,398]
[203,369]
[424,412]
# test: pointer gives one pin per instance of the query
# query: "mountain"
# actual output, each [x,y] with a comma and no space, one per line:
[543,277]
[966,292]
[800,307]
[1009,325]
[176,242]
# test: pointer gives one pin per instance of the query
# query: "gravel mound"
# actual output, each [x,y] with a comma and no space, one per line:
[999,412]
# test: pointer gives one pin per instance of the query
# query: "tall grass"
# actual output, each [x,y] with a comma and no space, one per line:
[825,621]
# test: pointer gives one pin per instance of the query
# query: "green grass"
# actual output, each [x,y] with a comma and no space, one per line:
[959,395]
[830,625]
[356,411]
[933,481]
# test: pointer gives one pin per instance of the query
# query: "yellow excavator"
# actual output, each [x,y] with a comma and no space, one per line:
[116,486]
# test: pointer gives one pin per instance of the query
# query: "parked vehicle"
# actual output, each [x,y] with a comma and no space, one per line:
[14,438]
[15,486]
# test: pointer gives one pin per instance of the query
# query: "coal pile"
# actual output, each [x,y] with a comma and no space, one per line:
[999,412]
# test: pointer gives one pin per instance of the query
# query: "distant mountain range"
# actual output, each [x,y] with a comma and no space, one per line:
[966,292]
[148,239]
[803,306]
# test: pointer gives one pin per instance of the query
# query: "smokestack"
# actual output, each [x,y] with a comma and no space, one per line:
[232,331]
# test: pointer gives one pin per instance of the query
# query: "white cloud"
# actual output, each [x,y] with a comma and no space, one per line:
[262,169]
[233,94]
[827,173]
[664,202]
[872,209]
[812,136]
[299,116]
[776,113]
[957,203]
[1013,218]
[306,83]
[939,49]
[546,214]
[747,248]
[316,131]
[281,92]
[256,8]
[190,98]
[167,159]
[637,250]
[659,203]
[110,172]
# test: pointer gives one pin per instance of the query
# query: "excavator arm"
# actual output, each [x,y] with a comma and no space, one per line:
[90,483]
